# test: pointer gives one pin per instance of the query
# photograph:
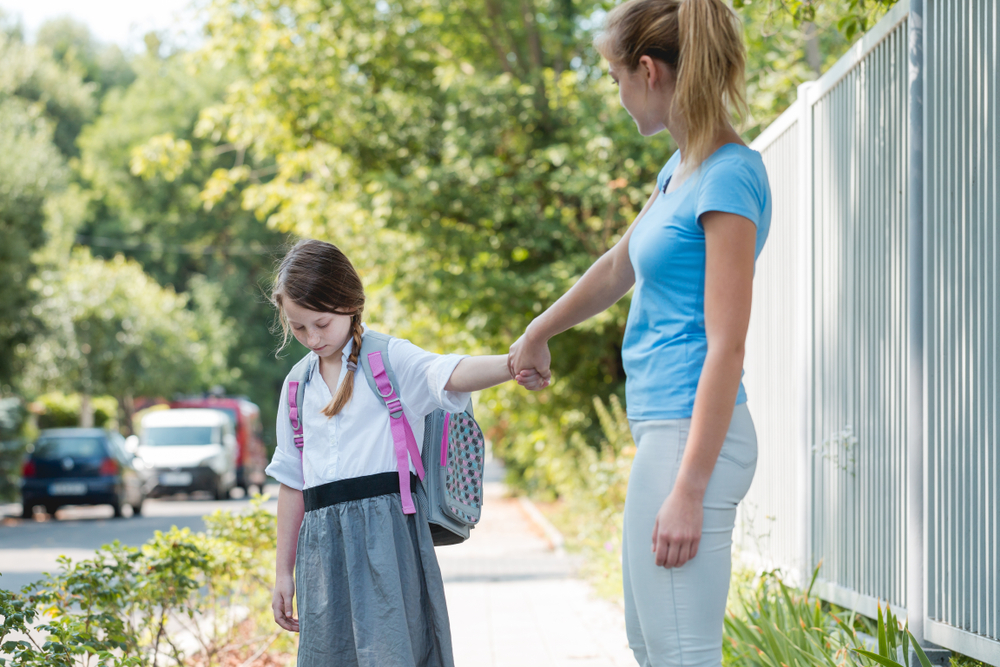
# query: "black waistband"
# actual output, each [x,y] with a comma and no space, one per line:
[356,488]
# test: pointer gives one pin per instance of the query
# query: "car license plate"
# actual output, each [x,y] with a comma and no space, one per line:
[176,478]
[67,489]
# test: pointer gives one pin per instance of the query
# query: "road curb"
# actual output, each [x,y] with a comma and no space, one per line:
[551,532]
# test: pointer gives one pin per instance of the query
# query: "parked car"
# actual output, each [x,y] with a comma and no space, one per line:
[81,466]
[251,456]
[188,450]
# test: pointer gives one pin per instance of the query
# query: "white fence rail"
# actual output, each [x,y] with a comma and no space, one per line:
[873,354]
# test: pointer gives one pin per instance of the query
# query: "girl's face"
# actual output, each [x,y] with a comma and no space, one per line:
[325,334]
[646,93]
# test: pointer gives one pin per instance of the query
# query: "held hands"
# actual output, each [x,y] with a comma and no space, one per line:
[677,530]
[281,603]
[529,362]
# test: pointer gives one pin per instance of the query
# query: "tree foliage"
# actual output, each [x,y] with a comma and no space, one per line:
[149,177]
[31,171]
[472,163]
[471,158]
[112,330]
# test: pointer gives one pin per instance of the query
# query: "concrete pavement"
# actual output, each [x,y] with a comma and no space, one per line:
[514,599]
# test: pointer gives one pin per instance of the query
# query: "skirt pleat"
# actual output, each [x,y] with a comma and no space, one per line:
[369,588]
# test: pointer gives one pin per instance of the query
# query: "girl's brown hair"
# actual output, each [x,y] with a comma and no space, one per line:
[701,40]
[318,276]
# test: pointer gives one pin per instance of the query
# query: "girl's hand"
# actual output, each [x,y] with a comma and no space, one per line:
[677,531]
[281,603]
[531,380]
[529,362]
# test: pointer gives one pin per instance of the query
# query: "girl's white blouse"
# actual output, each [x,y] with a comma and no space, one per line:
[358,441]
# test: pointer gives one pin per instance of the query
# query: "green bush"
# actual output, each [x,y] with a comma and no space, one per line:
[63,410]
[769,623]
[591,482]
[187,597]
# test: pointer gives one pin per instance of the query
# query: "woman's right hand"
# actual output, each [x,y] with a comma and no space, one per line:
[281,603]
[529,361]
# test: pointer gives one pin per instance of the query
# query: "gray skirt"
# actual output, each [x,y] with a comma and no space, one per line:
[369,587]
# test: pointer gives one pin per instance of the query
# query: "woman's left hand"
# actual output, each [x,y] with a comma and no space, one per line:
[677,530]
[529,361]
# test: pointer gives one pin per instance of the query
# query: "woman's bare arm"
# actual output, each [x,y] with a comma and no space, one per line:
[605,282]
[729,258]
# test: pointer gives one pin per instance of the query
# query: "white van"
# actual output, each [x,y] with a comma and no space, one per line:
[189,449]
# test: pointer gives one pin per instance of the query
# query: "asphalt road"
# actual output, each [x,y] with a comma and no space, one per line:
[28,548]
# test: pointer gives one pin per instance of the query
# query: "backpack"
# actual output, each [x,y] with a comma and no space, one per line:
[450,463]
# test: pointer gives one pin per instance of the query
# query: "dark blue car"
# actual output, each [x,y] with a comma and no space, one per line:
[81,466]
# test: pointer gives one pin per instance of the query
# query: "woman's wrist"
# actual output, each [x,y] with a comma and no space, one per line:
[535,332]
[689,488]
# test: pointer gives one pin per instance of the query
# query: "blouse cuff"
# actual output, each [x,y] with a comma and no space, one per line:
[440,373]
[286,471]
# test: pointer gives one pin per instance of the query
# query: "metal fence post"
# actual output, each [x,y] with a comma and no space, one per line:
[915,575]
[804,337]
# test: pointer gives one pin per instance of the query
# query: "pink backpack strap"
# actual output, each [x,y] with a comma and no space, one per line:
[293,414]
[295,385]
[402,435]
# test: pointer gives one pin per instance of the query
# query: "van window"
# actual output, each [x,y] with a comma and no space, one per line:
[77,448]
[229,412]
[167,436]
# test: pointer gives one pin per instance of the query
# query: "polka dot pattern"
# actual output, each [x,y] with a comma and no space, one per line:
[466,458]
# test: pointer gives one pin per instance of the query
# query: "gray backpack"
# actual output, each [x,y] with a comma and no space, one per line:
[450,463]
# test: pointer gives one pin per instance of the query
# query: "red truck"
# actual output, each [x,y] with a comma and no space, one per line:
[251,457]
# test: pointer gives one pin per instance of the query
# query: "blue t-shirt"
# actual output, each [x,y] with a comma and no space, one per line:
[665,344]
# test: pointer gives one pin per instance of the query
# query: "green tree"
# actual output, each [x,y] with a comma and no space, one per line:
[471,158]
[145,171]
[112,330]
[70,45]
[31,171]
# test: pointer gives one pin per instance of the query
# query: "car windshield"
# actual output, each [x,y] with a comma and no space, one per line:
[165,436]
[77,448]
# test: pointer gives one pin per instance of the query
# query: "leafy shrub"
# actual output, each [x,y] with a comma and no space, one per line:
[591,483]
[769,623]
[188,597]
[63,410]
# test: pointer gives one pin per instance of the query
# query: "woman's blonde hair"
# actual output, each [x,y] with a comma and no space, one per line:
[702,41]
[318,276]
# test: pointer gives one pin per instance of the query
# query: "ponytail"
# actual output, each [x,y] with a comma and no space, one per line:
[710,76]
[346,389]
[702,41]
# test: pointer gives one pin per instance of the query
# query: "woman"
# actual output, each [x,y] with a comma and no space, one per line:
[690,254]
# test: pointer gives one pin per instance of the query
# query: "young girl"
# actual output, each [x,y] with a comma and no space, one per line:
[690,254]
[370,590]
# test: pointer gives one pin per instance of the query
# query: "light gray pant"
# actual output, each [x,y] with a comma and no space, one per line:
[674,616]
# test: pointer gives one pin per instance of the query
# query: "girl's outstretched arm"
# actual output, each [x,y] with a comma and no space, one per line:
[291,509]
[475,373]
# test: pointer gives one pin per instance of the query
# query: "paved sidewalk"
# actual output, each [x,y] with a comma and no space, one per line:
[514,601]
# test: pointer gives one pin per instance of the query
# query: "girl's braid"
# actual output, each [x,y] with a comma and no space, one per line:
[356,330]
[347,386]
